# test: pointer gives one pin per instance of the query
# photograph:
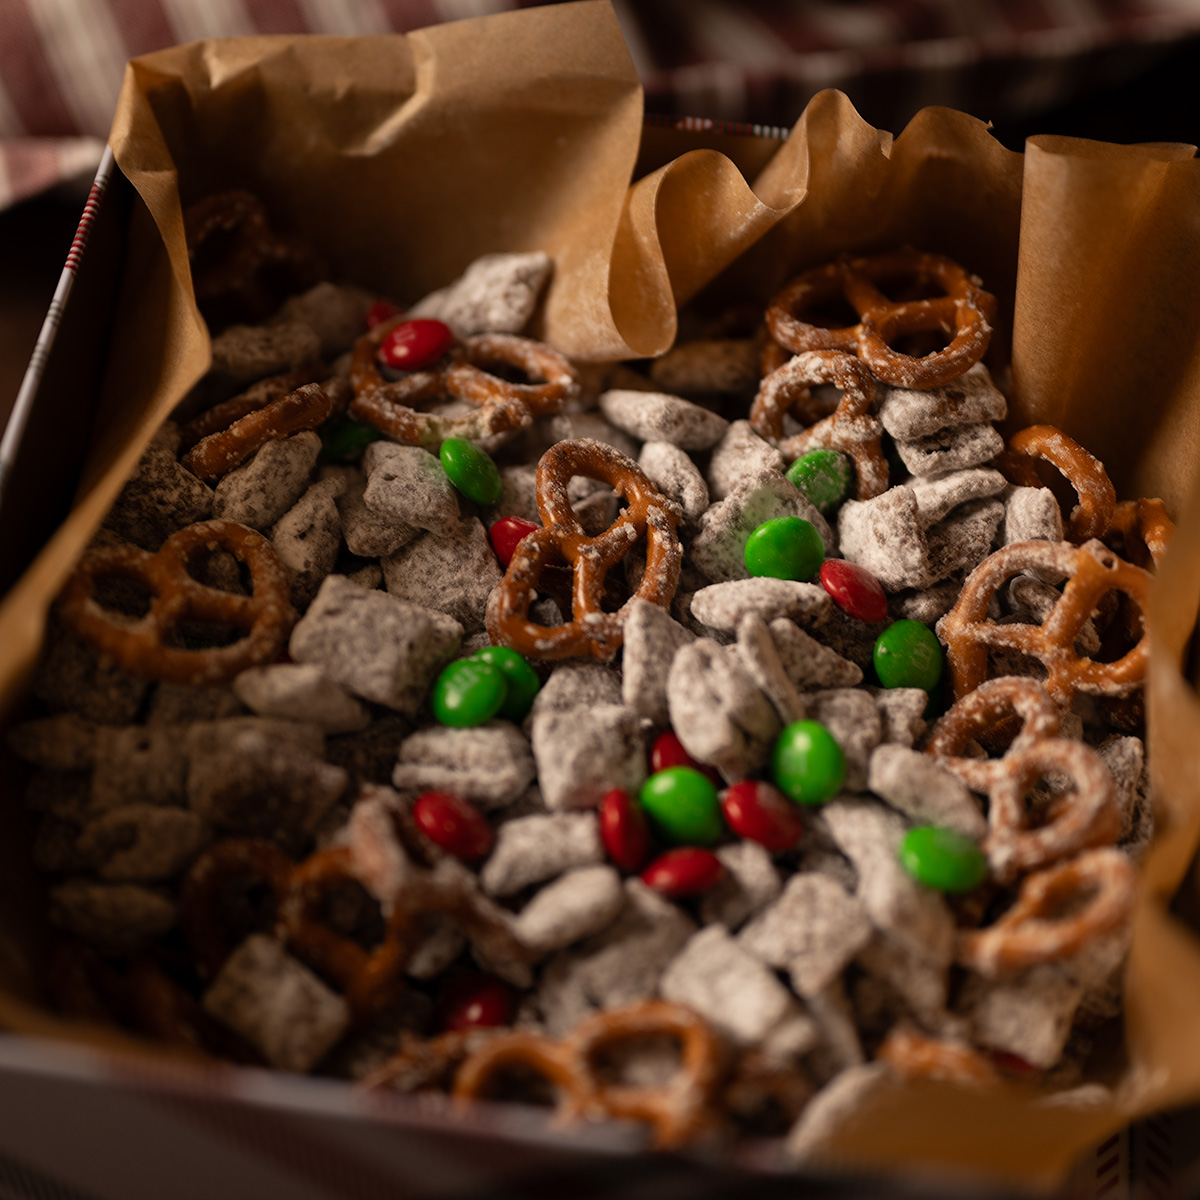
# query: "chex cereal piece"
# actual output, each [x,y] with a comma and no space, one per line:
[488,764]
[581,756]
[301,692]
[538,847]
[308,536]
[884,534]
[926,605]
[921,788]
[368,533]
[901,713]
[1125,758]
[717,710]
[718,549]
[497,293]
[161,497]
[722,606]
[840,1046]
[116,918]
[244,353]
[853,719]
[673,472]
[951,449]
[135,764]
[915,986]
[247,778]
[1032,513]
[452,573]
[72,677]
[915,916]
[374,645]
[570,427]
[938,495]
[652,636]
[64,742]
[262,489]
[176,704]
[580,684]
[810,1139]
[659,417]
[1028,1014]
[442,942]
[335,312]
[740,455]
[277,1004]
[143,843]
[408,484]
[812,931]
[751,882]
[970,399]
[809,663]
[708,367]
[575,906]
[727,986]
[958,544]
[759,655]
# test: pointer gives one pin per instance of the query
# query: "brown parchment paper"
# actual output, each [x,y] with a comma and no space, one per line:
[404,157]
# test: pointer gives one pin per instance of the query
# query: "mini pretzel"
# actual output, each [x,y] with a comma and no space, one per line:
[591,631]
[306,407]
[142,645]
[850,428]
[241,267]
[1079,819]
[423,1064]
[500,405]
[1090,570]
[990,704]
[1093,514]
[1056,914]
[963,312]
[258,395]
[1144,530]
[914,1055]
[676,1111]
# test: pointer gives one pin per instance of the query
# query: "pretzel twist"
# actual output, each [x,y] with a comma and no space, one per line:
[1092,516]
[850,428]
[963,312]
[1144,530]
[143,645]
[1090,570]
[591,632]
[915,1055]
[1057,913]
[464,374]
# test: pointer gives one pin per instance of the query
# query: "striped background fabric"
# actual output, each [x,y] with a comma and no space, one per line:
[61,61]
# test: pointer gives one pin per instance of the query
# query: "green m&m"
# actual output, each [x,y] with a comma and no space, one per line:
[520,680]
[785,548]
[824,476]
[943,859]
[907,654]
[471,470]
[683,807]
[345,437]
[468,692]
[807,764]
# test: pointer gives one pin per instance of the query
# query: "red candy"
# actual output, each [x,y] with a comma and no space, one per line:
[453,824]
[414,344]
[688,871]
[762,813]
[623,830]
[854,590]
[380,311]
[476,1001]
[506,533]
[668,752]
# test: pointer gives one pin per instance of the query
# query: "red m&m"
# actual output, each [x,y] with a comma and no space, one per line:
[687,871]
[761,813]
[854,590]
[454,824]
[411,345]
[624,829]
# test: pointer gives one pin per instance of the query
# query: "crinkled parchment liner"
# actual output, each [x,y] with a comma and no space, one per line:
[403,158]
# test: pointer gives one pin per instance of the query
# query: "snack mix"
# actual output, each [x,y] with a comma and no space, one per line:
[698,742]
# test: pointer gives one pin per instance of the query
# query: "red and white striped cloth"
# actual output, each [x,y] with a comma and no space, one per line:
[61,61]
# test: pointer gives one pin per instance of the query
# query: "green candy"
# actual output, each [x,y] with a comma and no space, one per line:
[519,677]
[346,438]
[683,807]
[468,692]
[471,470]
[907,654]
[785,548]
[824,476]
[942,859]
[807,764]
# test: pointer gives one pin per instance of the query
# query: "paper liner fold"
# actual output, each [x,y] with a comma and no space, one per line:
[404,157]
